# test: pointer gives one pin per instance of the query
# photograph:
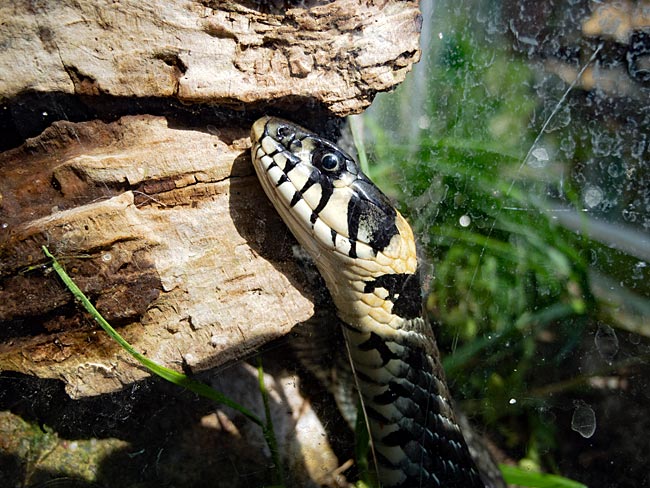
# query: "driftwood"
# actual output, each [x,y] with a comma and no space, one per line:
[164,228]
[126,152]
[160,219]
[69,60]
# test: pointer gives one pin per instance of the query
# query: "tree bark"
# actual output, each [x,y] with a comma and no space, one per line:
[64,59]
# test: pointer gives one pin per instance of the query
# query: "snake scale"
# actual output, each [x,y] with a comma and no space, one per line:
[365,251]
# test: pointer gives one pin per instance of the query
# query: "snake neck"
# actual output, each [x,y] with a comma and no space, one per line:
[415,436]
[416,439]
[379,292]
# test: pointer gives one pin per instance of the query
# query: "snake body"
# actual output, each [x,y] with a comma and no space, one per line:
[365,251]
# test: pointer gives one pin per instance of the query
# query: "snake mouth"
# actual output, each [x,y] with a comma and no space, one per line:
[321,190]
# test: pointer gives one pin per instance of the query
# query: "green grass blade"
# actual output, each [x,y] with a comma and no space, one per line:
[269,433]
[356,127]
[362,451]
[166,373]
[523,477]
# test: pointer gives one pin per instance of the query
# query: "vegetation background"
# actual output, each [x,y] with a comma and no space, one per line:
[518,148]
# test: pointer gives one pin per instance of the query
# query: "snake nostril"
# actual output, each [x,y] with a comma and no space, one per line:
[284,131]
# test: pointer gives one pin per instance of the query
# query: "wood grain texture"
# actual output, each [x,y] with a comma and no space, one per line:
[166,229]
[337,54]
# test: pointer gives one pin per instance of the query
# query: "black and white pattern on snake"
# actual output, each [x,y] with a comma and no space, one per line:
[365,251]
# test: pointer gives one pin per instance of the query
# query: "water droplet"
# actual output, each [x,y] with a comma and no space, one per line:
[592,196]
[464,221]
[602,143]
[424,122]
[614,170]
[637,147]
[538,158]
[628,215]
[568,146]
[639,270]
[213,130]
[512,401]
[606,342]
[583,420]
[107,257]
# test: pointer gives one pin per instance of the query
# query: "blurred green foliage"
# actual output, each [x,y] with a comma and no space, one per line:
[460,145]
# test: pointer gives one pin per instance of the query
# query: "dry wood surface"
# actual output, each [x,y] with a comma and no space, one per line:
[125,150]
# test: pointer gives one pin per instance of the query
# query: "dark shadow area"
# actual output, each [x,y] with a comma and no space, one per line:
[277,7]
[174,437]
[28,114]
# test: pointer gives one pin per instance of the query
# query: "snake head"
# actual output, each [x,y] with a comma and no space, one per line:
[321,192]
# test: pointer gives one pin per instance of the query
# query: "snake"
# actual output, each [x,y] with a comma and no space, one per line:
[365,251]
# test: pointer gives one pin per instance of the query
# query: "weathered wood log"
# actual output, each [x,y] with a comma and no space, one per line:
[160,219]
[95,57]
[163,228]
[125,138]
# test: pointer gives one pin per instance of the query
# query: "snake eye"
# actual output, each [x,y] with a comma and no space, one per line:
[330,161]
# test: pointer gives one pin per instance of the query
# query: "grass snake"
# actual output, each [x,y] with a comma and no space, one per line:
[365,251]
